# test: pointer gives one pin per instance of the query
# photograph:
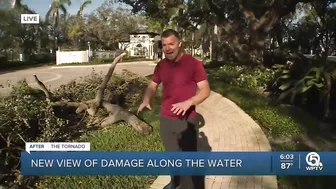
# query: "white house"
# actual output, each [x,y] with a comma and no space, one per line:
[141,44]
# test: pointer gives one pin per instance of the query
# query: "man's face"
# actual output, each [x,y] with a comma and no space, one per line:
[171,47]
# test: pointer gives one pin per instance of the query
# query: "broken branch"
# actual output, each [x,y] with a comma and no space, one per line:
[44,89]
[100,92]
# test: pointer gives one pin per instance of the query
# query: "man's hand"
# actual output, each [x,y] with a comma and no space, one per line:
[144,104]
[181,107]
[150,91]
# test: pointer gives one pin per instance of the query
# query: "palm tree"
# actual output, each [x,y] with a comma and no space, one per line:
[85,4]
[54,14]
[74,27]
[54,10]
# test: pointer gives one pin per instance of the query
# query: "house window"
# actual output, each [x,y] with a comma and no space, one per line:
[139,50]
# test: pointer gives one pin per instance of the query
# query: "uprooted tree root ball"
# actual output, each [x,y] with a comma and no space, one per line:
[116,112]
[90,103]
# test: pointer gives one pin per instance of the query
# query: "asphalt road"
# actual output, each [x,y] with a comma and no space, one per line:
[53,76]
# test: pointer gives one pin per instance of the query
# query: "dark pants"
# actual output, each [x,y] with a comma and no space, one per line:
[181,135]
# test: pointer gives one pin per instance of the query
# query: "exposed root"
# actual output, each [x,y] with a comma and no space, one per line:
[116,112]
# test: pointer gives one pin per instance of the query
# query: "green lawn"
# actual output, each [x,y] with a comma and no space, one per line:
[119,137]
[277,121]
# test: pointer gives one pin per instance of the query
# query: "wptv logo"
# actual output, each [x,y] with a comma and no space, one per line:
[314,162]
[30,18]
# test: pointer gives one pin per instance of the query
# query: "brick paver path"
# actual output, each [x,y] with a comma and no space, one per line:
[229,128]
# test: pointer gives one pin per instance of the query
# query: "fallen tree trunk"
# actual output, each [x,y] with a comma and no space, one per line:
[116,112]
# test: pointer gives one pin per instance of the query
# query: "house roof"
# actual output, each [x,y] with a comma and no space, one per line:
[152,34]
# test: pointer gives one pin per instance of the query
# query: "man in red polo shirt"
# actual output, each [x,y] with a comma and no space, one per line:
[181,75]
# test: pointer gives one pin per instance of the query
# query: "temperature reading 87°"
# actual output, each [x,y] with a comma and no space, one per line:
[286,165]
[286,161]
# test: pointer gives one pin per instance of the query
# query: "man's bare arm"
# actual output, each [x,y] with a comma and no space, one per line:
[150,91]
[203,93]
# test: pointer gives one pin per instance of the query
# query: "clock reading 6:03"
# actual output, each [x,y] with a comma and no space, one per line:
[287,156]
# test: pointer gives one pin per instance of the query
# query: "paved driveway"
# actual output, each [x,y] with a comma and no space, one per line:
[55,76]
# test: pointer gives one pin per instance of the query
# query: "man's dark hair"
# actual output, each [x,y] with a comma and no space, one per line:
[170,32]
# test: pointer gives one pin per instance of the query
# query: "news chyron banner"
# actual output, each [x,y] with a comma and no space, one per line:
[77,159]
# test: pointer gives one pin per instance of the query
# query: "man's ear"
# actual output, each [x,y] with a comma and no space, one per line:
[180,44]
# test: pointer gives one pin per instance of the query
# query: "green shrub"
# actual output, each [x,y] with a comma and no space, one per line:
[3,59]
[35,59]
[245,76]
[25,115]
[307,84]
[19,64]
[42,58]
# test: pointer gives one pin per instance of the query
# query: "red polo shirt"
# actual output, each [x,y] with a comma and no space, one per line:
[179,80]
